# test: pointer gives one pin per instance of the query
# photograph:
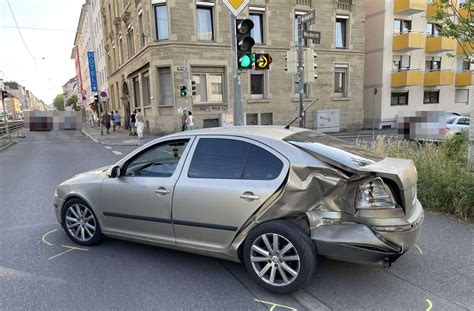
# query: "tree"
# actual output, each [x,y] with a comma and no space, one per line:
[59,102]
[458,23]
[72,101]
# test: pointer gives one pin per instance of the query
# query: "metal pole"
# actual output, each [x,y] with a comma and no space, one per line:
[373,114]
[301,73]
[238,108]
[5,118]
[100,115]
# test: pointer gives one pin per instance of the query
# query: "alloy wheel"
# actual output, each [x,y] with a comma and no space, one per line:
[275,259]
[80,222]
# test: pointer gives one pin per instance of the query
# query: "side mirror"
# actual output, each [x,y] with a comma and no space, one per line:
[115,172]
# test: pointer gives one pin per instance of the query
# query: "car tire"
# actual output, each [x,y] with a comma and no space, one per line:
[287,269]
[80,223]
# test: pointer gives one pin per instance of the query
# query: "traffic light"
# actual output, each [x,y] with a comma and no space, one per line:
[245,42]
[263,61]
[291,61]
[183,91]
[191,86]
[4,94]
[96,98]
[310,66]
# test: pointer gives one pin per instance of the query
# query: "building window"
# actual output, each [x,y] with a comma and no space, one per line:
[266,118]
[140,29]
[251,119]
[462,96]
[340,80]
[401,62]
[209,85]
[112,97]
[136,91]
[165,88]
[121,50]
[209,123]
[130,42]
[305,89]
[401,26]
[399,99]
[161,21]
[431,97]
[204,21]
[257,18]
[305,27]
[463,65]
[433,63]
[432,30]
[257,85]
[119,100]
[341,31]
[146,89]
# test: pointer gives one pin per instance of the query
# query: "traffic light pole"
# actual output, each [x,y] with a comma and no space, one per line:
[301,73]
[238,108]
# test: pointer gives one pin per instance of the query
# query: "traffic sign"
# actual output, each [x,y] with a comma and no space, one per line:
[262,61]
[313,35]
[181,68]
[236,6]
[309,17]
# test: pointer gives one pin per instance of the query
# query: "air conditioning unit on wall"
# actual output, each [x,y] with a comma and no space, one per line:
[327,121]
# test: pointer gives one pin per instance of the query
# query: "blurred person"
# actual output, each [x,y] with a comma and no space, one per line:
[140,124]
[132,124]
[117,121]
[106,121]
[190,121]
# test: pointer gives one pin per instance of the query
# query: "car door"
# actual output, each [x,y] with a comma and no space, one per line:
[138,202]
[224,181]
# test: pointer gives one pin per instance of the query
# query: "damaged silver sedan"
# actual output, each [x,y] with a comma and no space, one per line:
[269,197]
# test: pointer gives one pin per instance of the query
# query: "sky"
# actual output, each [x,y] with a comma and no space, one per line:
[49,66]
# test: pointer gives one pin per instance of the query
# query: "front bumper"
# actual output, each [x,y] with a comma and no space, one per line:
[360,243]
[58,204]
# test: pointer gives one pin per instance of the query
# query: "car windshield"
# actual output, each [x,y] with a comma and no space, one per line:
[450,120]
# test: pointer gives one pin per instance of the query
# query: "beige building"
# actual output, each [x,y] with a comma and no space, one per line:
[410,65]
[149,43]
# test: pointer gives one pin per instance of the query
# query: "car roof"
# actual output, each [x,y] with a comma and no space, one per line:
[272,132]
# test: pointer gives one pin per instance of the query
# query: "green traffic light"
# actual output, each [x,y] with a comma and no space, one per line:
[245,61]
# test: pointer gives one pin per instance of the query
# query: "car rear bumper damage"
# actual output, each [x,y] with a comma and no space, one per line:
[361,243]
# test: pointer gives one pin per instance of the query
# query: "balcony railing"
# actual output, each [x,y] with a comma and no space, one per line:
[439,44]
[409,7]
[407,78]
[465,78]
[433,8]
[344,5]
[465,47]
[435,78]
[304,2]
[408,41]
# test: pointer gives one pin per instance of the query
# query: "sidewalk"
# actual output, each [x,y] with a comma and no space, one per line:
[115,138]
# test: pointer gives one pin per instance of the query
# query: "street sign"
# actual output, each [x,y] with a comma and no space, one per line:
[262,61]
[313,35]
[92,72]
[309,18]
[180,68]
[236,6]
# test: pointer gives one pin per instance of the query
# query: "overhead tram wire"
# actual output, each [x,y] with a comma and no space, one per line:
[38,28]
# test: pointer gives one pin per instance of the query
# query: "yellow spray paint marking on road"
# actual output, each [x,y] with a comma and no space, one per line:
[70,249]
[274,305]
[419,249]
[44,237]
[430,305]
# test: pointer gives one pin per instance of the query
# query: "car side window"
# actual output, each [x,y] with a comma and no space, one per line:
[463,121]
[216,158]
[158,161]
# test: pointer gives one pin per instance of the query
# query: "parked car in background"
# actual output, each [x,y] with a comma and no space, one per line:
[269,197]
[456,125]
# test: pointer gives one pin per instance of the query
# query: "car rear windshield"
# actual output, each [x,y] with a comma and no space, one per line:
[450,120]
[323,144]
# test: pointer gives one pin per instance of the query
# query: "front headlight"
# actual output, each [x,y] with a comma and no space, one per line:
[56,192]
[375,194]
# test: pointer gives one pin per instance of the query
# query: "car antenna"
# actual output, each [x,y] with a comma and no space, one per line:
[298,117]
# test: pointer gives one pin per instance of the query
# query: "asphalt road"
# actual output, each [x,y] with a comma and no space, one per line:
[39,269]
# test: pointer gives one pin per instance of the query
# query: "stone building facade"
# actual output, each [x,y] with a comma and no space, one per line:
[148,42]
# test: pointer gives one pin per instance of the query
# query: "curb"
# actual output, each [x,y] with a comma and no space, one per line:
[88,135]
[11,144]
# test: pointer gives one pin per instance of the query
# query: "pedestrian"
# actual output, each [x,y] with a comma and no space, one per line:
[106,121]
[117,120]
[190,121]
[132,124]
[184,117]
[140,124]
[112,120]
[90,118]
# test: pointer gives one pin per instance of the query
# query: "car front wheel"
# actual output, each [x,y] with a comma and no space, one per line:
[279,256]
[80,223]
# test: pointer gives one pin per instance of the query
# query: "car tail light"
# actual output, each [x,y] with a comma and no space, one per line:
[375,194]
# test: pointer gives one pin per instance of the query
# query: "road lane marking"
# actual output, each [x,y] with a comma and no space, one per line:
[274,305]
[117,152]
[108,147]
[44,237]
[65,252]
[419,249]
[75,248]
[70,249]
[430,305]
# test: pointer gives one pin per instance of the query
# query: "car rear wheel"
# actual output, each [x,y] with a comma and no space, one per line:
[80,223]
[279,256]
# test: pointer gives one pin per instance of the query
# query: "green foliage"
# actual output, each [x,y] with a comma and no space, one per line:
[59,102]
[72,101]
[444,183]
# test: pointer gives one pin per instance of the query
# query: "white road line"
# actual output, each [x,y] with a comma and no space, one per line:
[65,252]
[108,147]
[43,238]
[419,249]
[117,152]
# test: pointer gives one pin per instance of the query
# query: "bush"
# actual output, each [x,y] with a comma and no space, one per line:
[444,183]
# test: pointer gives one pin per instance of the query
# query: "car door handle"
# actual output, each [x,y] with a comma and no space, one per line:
[161,191]
[249,196]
